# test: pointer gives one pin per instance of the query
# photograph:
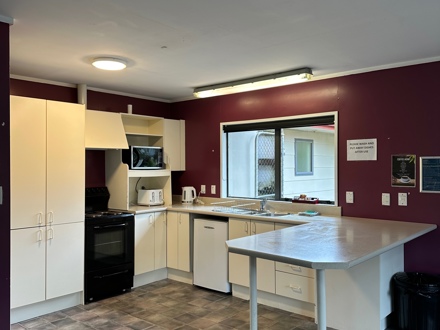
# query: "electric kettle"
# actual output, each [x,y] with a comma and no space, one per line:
[188,195]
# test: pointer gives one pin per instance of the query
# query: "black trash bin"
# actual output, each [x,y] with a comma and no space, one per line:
[416,301]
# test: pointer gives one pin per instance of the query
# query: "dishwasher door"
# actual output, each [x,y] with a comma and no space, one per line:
[211,255]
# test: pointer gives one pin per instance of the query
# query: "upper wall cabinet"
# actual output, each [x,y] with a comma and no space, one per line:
[143,130]
[104,130]
[174,144]
[47,162]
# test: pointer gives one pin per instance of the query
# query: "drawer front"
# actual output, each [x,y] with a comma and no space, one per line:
[292,269]
[295,287]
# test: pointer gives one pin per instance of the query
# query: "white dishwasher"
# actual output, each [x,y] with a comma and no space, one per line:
[210,267]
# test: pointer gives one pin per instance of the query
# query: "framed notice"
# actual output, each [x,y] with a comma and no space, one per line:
[430,174]
[403,170]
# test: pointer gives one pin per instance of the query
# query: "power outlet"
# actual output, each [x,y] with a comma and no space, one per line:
[403,199]
[386,199]
[203,189]
[349,197]
[213,189]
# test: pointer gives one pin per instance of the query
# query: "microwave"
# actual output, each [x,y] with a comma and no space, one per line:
[143,158]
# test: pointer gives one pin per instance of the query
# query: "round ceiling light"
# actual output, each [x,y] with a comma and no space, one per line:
[109,63]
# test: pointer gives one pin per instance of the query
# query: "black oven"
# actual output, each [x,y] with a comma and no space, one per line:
[109,248]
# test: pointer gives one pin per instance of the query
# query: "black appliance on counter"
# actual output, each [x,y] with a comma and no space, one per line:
[109,248]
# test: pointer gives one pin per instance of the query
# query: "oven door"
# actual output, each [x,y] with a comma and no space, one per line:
[109,242]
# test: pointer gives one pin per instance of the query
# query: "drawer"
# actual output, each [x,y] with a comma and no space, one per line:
[295,287]
[292,269]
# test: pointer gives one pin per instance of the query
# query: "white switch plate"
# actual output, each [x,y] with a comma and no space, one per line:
[403,199]
[386,199]
[349,197]
[213,189]
[203,189]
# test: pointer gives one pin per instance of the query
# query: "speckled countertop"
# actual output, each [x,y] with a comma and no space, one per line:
[331,243]
[319,242]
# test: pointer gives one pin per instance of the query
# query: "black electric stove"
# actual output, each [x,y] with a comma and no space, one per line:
[109,247]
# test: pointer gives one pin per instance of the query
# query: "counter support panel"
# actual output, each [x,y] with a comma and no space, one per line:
[253,310]
[320,286]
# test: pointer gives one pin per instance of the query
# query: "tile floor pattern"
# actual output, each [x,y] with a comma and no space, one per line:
[167,304]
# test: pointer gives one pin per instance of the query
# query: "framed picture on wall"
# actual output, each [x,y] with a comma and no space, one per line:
[430,174]
[403,171]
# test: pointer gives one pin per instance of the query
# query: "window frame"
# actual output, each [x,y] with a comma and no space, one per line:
[268,123]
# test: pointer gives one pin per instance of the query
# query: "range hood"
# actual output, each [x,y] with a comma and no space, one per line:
[104,130]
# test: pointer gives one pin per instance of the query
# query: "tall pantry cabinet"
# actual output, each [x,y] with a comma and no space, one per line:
[47,199]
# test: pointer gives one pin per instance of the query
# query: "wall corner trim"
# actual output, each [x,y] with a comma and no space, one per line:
[6,19]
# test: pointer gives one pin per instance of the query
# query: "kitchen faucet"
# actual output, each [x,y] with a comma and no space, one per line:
[263,204]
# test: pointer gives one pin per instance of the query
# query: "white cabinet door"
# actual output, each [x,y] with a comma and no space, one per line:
[28,266]
[28,162]
[178,241]
[160,240]
[239,264]
[65,162]
[184,262]
[144,243]
[64,259]
[174,144]
[265,268]
[172,239]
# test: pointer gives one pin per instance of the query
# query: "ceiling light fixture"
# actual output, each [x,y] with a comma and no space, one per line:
[250,84]
[109,63]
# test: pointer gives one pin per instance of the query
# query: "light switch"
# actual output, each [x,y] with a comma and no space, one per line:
[213,189]
[386,199]
[203,189]
[403,199]
[349,197]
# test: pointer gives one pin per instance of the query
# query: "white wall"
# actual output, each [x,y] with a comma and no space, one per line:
[322,183]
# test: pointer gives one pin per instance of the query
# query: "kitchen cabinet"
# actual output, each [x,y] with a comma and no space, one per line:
[239,264]
[294,281]
[150,242]
[178,241]
[47,176]
[124,183]
[104,130]
[47,162]
[174,144]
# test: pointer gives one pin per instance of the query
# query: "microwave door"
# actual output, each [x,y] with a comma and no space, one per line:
[137,158]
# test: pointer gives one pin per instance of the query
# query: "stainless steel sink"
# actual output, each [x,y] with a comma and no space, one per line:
[262,213]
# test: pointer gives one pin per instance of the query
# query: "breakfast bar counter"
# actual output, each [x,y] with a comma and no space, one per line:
[362,253]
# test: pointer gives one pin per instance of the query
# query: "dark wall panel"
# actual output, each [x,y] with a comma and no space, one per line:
[5,212]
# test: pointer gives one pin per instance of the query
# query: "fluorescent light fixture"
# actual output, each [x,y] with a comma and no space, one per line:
[250,84]
[109,63]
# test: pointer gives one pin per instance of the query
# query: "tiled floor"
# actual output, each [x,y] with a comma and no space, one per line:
[167,304]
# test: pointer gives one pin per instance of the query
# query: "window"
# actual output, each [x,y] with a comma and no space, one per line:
[303,157]
[280,159]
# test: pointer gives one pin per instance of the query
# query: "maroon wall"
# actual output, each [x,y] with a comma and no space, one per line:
[5,212]
[399,107]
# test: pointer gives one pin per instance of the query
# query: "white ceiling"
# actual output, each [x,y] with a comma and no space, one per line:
[173,46]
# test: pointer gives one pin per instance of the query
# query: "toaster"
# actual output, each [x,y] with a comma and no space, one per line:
[150,197]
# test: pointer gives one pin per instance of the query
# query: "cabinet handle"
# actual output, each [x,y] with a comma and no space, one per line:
[255,228]
[151,219]
[50,234]
[295,268]
[39,235]
[246,227]
[50,217]
[296,288]
[40,218]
